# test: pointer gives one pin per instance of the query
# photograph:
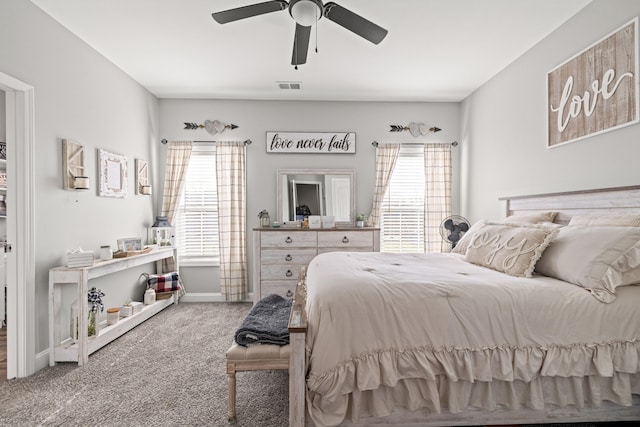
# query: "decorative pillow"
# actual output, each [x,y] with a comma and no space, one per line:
[463,243]
[510,248]
[596,258]
[531,218]
[606,220]
[168,282]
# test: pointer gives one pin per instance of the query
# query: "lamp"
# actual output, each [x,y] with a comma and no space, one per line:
[305,12]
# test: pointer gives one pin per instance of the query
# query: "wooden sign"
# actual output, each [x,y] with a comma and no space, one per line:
[311,142]
[596,90]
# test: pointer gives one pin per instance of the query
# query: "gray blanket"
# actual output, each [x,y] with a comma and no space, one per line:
[266,323]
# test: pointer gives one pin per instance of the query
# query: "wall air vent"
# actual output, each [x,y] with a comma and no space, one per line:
[290,85]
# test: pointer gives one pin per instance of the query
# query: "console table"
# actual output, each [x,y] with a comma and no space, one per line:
[67,350]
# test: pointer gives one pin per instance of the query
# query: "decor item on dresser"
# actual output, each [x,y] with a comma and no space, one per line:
[265,220]
[416,129]
[163,233]
[143,185]
[360,219]
[280,254]
[73,171]
[307,13]
[595,91]
[212,127]
[113,174]
[311,142]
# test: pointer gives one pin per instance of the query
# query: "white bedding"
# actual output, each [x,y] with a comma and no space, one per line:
[433,331]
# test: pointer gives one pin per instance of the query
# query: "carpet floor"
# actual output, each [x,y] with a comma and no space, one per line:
[168,371]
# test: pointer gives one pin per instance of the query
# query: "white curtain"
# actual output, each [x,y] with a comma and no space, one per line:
[386,158]
[231,173]
[437,197]
[178,155]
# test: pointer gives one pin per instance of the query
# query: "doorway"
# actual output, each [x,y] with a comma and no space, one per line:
[20,255]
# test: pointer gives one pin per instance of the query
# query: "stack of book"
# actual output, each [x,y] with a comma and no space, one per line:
[79,258]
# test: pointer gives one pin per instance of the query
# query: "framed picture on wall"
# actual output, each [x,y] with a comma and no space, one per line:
[595,91]
[112,169]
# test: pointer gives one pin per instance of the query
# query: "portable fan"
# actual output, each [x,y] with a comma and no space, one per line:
[453,227]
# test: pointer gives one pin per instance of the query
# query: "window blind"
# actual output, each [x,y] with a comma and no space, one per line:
[197,223]
[402,212]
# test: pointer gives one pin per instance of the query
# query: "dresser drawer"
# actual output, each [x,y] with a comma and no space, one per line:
[284,256]
[281,272]
[347,239]
[286,239]
[285,288]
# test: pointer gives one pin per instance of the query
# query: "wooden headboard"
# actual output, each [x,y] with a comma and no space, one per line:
[604,201]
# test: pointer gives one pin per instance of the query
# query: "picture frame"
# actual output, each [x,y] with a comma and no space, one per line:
[143,186]
[3,150]
[596,90]
[129,244]
[112,168]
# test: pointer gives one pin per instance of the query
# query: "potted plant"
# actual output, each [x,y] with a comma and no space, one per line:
[360,219]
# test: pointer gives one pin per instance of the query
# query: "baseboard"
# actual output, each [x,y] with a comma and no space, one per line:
[208,297]
[41,361]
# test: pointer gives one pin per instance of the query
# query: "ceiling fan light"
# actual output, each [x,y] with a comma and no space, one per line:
[305,12]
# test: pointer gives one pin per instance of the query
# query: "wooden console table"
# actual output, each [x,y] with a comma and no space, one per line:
[67,350]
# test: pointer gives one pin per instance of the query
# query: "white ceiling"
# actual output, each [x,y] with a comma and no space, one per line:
[436,50]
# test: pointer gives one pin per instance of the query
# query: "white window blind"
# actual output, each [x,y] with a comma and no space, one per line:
[197,217]
[402,213]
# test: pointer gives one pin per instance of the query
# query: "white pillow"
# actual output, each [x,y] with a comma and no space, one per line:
[606,220]
[531,218]
[596,258]
[509,248]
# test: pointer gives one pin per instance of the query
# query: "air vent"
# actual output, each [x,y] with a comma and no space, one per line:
[290,85]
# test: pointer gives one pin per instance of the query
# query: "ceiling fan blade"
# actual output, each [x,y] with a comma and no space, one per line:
[354,23]
[249,11]
[300,45]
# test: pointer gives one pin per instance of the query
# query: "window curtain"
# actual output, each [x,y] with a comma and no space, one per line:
[231,172]
[437,197]
[178,155]
[386,158]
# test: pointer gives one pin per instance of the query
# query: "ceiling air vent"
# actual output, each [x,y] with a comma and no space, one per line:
[290,85]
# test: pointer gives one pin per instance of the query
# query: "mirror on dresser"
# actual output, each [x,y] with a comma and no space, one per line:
[316,192]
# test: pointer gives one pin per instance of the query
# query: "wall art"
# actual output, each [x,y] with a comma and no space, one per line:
[112,168]
[311,142]
[596,90]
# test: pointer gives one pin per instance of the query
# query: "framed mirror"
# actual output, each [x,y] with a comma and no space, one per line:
[329,192]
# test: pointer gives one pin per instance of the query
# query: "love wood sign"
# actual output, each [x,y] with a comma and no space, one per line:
[311,142]
[595,91]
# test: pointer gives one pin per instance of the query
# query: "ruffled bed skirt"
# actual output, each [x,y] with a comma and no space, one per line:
[439,380]
[442,394]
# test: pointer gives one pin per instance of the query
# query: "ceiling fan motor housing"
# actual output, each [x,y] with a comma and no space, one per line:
[305,12]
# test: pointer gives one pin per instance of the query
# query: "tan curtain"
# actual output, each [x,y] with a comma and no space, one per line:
[231,172]
[437,197]
[386,158]
[178,155]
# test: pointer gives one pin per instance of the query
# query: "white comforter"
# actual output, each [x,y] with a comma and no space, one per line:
[421,331]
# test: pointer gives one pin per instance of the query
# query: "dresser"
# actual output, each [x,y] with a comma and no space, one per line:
[280,253]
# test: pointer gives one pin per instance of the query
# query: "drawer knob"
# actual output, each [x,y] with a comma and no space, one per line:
[345,239]
[288,257]
[289,273]
[289,294]
[288,239]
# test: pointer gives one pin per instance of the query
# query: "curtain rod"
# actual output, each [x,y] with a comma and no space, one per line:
[453,144]
[246,142]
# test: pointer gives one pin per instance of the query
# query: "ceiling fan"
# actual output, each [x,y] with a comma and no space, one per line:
[306,13]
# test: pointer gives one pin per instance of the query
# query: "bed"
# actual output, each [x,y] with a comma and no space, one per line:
[442,339]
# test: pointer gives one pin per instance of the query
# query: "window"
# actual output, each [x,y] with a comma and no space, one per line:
[402,213]
[197,215]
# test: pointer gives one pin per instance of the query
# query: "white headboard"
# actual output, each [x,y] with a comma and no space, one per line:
[604,201]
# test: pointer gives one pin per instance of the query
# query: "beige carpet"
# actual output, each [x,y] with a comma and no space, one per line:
[169,371]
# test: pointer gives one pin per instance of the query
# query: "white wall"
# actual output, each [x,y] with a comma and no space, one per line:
[3,138]
[370,121]
[503,126]
[81,96]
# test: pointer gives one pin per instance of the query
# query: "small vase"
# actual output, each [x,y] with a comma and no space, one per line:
[93,322]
